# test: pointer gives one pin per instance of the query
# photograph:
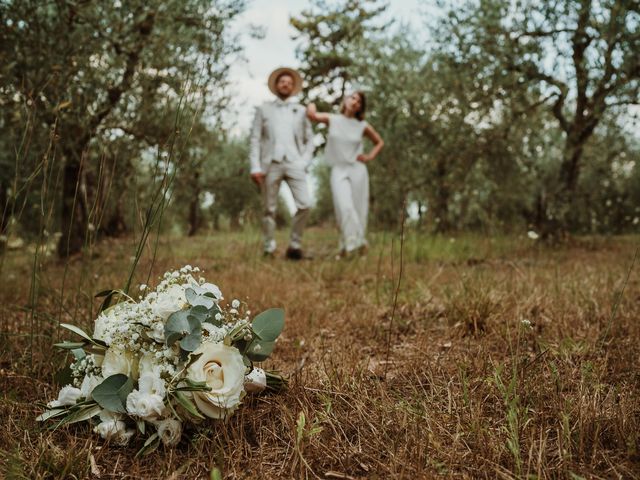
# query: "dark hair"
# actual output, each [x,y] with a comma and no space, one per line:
[363,105]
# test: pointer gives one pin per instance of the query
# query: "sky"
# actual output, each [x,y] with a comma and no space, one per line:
[277,48]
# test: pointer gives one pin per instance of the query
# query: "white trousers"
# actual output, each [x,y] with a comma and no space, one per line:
[295,176]
[350,191]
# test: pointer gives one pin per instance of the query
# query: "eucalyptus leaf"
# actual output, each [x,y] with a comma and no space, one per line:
[199,311]
[112,393]
[78,353]
[190,342]
[177,322]
[191,295]
[172,338]
[269,324]
[259,350]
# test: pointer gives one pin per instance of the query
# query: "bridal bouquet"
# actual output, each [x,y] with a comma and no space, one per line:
[172,358]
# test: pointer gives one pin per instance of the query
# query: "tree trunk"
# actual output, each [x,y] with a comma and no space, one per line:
[441,204]
[5,209]
[194,205]
[74,208]
[194,218]
[116,226]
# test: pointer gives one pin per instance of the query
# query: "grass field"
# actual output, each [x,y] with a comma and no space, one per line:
[439,357]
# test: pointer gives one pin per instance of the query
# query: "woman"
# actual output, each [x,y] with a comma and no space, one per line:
[349,177]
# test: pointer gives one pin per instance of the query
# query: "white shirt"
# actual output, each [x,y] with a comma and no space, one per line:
[284,143]
[344,141]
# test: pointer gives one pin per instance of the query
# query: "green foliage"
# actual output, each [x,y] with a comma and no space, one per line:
[92,91]
[112,393]
[331,35]
[493,124]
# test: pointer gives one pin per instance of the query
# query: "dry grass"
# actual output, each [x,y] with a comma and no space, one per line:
[454,385]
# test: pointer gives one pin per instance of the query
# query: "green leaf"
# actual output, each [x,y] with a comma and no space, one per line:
[85,413]
[83,334]
[69,345]
[112,393]
[199,311]
[55,412]
[141,424]
[109,296]
[78,353]
[275,381]
[198,300]
[269,324]
[77,331]
[149,446]
[259,350]
[192,386]
[172,338]
[191,383]
[191,342]
[187,404]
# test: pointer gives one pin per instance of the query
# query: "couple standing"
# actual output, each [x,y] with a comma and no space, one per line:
[282,149]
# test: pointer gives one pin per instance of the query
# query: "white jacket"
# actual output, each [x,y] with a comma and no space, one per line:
[261,150]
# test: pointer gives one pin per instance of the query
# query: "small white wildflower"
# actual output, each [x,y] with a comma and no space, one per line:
[218,316]
[257,348]
[143,287]
[233,311]
[235,303]
[532,235]
[526,323]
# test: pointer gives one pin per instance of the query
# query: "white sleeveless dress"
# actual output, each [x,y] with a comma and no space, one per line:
[349,179]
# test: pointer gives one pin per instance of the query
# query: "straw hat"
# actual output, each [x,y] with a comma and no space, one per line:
[297,79]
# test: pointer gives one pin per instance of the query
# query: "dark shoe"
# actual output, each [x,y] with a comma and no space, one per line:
[294,253]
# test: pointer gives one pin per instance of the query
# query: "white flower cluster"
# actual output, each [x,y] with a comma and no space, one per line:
[175,348]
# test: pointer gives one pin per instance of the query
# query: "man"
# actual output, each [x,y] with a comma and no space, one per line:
[281,149]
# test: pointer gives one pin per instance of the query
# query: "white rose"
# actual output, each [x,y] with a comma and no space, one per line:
[148,406]
[68,395]
[119,361]
[89,383]
[112,429]
[255,381]
[169,301]
[222,368]
[169,431]
[151,383]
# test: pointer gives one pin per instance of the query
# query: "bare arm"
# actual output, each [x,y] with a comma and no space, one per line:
[315,116]
[377,141]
